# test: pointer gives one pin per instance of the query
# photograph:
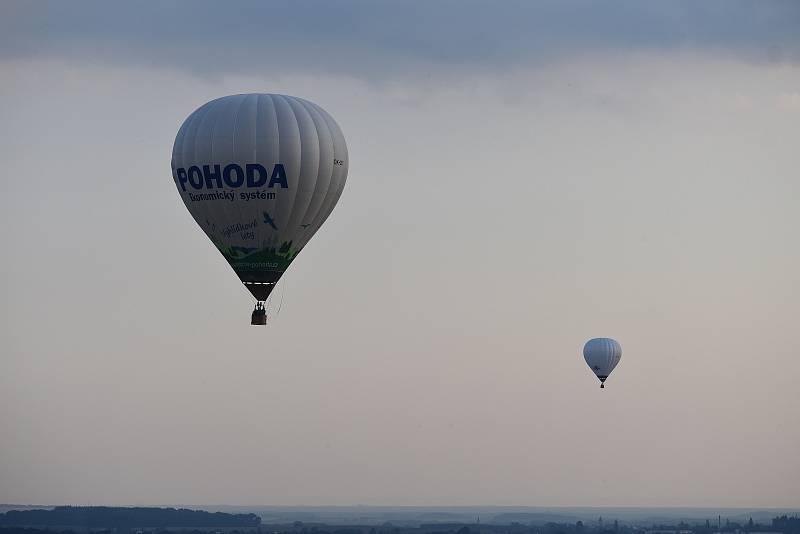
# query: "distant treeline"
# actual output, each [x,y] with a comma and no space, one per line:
[33,530]
[787,525]
[101,520]
[113,517]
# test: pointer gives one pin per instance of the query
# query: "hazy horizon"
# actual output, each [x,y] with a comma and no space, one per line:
[485,514]
[523,177]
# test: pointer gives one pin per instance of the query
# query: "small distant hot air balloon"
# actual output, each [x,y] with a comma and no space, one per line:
[602,355]
[259,173]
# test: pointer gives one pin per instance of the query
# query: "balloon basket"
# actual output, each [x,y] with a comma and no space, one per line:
[259,316]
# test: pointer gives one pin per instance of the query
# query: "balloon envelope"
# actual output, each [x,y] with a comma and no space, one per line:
[602,355]
[259,173]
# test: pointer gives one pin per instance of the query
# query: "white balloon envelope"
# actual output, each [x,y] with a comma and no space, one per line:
[259,173]
[602,355]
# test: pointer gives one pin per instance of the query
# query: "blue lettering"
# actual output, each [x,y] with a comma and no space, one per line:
[278,177]
[252,168]
[233,175]
[181,172]
[229,171]
[194,171]
[215,176]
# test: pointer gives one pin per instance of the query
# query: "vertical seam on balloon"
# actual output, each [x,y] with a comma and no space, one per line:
[309,232]
[197,118]
[339,186]
[242,100]
[185,129]
[211,106]
[311,110]
[330,193]
[214,130]
[300,168]
[180,139]
[255,130]
[303,150]
[213,158]
[255,136]
[273,98]
[277,142]
[334,192]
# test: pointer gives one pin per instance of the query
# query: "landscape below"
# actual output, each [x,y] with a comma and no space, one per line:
[152,520]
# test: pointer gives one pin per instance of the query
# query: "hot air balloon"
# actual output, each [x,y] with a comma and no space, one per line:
[602,355]
[259,173]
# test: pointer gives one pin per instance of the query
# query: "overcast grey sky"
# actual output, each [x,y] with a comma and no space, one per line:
[523,177]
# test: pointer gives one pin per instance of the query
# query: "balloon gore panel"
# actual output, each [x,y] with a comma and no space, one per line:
[602,355]
[259,173]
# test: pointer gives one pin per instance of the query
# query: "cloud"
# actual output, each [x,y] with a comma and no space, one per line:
[387,39]
[488,228]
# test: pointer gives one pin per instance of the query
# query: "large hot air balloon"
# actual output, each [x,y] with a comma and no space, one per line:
[259,173]
[602,355]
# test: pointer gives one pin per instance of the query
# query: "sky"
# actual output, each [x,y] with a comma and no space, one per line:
[523,176]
